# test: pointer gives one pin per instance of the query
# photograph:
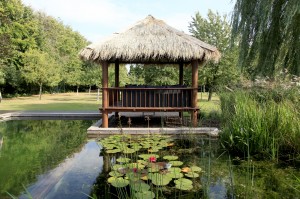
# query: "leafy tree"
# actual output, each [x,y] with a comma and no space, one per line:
[160,75]
[269,36]
[39,68]
[136,74]
[216,30]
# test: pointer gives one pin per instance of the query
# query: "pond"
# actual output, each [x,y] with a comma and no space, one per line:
[54,159]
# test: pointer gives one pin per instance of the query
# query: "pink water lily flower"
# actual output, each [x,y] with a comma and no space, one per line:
[152,159]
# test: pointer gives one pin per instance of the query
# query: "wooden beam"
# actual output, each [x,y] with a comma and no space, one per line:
[104,94]
[180,81]
[181,73]
[195,92]
[117,82]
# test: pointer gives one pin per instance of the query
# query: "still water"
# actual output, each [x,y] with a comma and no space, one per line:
[54,159]
[48,158]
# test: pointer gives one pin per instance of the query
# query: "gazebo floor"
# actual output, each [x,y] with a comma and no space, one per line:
[141,123]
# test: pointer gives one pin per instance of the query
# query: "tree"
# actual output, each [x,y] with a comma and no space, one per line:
[161,75]
[269,36]
[136,74]
[40,68]
[216,31]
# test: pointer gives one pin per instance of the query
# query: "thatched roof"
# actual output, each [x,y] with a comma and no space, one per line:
[150,40]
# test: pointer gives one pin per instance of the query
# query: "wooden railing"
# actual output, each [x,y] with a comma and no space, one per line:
[150,97]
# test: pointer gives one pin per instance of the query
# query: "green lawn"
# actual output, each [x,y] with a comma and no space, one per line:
[82,101]
[52,102]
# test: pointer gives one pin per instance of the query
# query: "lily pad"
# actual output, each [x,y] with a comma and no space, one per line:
[123,160]
[176,163]
[183,181]
[192,175]
[139,186]
[174,169]
[113,151]
[110,179]
[147,156]
[195,169]
[159,179]
[170,157]
[129,150]
[174,175]
[117,166]
[184,187]
[145,195]
[115,174]
[119,182]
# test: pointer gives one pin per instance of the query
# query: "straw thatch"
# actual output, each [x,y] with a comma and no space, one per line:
[150,40]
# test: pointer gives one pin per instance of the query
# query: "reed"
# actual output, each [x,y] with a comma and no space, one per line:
[262,123]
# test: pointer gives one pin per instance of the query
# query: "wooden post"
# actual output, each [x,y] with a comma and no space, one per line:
[195,91]
[117,77]
[104,94]
[181,81]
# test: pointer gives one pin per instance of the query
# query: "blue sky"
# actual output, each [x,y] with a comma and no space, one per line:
[96,19]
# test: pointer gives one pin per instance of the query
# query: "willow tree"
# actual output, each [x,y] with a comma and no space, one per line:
[269,33]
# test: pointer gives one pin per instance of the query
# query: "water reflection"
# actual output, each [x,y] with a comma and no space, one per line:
[32,148]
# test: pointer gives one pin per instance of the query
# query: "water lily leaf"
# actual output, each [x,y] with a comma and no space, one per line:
[119,182]
[139,186]
[109,146]
[153,150]
[110,179]
[176,163]
[115,174]
[170,157]
[184,187]
[195,169]
[113,151]
[123,160]
[144,162]
[145,177]
[147,156]
[192,175]
[135,165]
[145,195]
[117,166]
[129,150]
[183,181]
[159,179]
[154,168]
[133,176]
[174,175]
[174,170]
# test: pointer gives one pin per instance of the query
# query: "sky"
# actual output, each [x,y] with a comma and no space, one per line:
[97,19]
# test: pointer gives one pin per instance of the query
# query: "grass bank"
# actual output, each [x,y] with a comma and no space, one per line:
[52,102]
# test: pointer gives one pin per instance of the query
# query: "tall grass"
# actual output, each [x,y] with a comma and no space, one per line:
[262,123]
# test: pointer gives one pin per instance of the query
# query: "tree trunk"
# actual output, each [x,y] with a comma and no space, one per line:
[90,90]
[41,85]
[0,96]
[210,93]
[98,94]
[77,89]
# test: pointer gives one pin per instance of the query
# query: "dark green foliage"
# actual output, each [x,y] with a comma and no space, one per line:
[22,31]
[269,34]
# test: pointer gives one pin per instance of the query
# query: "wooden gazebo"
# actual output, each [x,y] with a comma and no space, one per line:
[150,41]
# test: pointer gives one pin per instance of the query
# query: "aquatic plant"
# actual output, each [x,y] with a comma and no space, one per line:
[146,173]
[261,122]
